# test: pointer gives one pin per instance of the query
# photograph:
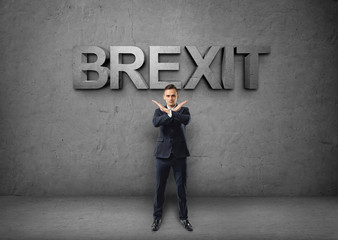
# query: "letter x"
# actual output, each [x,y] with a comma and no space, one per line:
[203,67]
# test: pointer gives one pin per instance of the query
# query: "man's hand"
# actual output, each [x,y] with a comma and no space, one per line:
[178,107]
[162,108]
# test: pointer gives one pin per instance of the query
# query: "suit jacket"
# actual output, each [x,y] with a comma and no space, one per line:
[171,137]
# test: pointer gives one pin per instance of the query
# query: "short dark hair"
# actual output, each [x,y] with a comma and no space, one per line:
[171,86]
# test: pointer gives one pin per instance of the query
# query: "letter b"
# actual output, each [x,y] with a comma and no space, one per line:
[81,66]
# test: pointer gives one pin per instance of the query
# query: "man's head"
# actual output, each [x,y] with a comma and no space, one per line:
[170,95]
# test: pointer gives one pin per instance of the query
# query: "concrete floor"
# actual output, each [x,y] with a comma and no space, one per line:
[131,218]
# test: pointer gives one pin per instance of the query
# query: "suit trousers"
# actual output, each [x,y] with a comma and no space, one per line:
[179,166]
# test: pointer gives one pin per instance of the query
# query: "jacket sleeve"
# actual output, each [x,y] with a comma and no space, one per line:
[183,116]
[160,119]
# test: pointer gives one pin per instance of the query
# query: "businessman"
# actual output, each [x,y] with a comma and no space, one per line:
[171,152]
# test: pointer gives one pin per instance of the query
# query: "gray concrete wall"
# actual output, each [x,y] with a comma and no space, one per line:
[281,139]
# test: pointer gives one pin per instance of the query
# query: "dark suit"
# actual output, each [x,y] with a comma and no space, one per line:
[171,151]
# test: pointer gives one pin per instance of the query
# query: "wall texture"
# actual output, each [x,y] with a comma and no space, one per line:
[279,140]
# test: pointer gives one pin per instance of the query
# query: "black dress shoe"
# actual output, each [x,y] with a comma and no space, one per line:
[156,225]
[186,224]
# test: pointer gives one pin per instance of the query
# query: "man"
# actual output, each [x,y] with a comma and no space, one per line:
[171,152]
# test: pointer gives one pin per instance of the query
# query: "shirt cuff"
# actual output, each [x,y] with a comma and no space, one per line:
[170,114]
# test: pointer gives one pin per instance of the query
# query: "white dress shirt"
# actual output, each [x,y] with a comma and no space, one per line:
[170,114]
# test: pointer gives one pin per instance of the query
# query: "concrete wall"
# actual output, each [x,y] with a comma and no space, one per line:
[281,139]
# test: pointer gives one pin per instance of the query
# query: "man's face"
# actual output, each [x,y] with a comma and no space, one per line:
[170,96]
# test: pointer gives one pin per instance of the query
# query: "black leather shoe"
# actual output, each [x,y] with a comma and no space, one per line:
[186,224]
[156,225]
